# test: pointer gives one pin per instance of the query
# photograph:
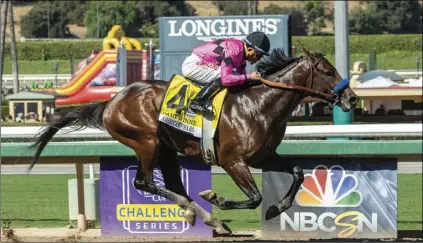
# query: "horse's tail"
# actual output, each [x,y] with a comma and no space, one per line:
[90,115]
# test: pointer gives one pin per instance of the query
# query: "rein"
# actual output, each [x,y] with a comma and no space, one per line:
[329,97]
[332,96]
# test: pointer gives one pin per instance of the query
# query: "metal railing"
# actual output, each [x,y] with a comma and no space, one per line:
[26,79]
[356,130]
[40,79]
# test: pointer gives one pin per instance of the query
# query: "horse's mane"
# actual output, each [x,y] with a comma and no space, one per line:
[276,61]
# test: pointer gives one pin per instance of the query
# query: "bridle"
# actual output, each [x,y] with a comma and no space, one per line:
[331,96]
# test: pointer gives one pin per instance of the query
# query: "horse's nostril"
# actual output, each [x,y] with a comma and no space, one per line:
[353,100]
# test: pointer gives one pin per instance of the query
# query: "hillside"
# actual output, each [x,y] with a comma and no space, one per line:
[203,8]
[18,12]
[206,8]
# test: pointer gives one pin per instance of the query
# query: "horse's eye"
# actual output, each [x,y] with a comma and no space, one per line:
[329,73]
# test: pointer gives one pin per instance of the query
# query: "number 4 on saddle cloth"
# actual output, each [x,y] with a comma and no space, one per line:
[175,112]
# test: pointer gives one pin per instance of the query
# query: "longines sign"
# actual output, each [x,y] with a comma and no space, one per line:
[178,35]
[209,29]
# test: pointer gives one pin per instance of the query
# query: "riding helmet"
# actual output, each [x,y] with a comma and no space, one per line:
[259,41]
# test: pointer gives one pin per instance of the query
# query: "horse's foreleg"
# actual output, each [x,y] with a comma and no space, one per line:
[276,163]
[170,169]
[144,180]
[241,175]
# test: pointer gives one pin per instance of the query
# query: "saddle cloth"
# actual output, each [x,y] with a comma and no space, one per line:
[174,110]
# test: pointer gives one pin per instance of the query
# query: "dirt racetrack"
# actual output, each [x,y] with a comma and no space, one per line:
[94,235]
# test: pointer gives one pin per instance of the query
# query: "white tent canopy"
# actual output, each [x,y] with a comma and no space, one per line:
[414,82]
[378,82]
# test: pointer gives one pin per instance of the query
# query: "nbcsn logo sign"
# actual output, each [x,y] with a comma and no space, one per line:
[329,188]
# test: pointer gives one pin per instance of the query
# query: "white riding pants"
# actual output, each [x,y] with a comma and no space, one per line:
[198,70]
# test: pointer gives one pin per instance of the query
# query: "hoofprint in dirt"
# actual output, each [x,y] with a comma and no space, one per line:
[78,238]
[94,235]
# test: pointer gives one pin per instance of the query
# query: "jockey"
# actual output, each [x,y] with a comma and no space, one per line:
[222,63]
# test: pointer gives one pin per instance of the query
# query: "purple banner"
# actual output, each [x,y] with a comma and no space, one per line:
[128,211]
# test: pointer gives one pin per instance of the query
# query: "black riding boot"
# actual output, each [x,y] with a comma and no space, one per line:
[201,101]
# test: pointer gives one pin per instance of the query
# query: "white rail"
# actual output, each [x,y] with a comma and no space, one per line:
[26,79]
[407,73]
[356,130]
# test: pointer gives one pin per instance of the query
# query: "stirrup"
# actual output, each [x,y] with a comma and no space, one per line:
[202,109]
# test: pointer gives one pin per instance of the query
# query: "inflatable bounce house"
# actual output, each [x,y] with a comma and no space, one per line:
[96,77]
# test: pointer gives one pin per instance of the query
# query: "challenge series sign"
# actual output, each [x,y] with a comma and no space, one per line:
[179,35]
[128,211]
[340,198]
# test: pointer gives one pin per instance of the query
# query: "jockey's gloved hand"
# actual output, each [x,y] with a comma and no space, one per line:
[254,76]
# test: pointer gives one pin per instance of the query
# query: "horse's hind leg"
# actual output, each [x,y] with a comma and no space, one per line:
[276,163]
[170,169]
[241,175]
[147,154]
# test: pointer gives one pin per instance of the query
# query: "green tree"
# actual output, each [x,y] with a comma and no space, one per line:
[36,23]
[314,12]
[123,13]
[232,7]
[184,8]
[364,21]
[298,24]
[399,16]
[76,10]
[24,2]
[151,10]
[149,30]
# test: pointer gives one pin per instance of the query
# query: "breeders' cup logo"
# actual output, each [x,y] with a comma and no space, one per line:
[210,29]
[144,213]
[329,188]
[158,180]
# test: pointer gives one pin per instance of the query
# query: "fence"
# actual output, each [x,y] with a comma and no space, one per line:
[40,79]
[94,152]
[26,79]
[362,130]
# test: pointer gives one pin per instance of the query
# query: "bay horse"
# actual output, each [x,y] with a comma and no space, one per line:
[251,127]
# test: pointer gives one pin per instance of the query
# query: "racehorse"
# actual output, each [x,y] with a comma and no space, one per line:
[251,126]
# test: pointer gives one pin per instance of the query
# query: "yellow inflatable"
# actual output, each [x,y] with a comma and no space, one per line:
[114,38]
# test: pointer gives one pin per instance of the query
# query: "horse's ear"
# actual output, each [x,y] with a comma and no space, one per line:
[307,52]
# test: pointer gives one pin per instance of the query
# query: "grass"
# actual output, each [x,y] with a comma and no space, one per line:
[410,202]
[40,67]
[389,60]
[35,200]
[395,60]
[236,219]
[42,201]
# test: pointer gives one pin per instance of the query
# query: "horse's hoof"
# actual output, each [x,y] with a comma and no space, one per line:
[284,205]
[272,212]
[208,195]
[222,229]
[189,216]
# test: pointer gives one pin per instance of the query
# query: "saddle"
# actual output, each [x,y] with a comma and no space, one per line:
[175,112]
